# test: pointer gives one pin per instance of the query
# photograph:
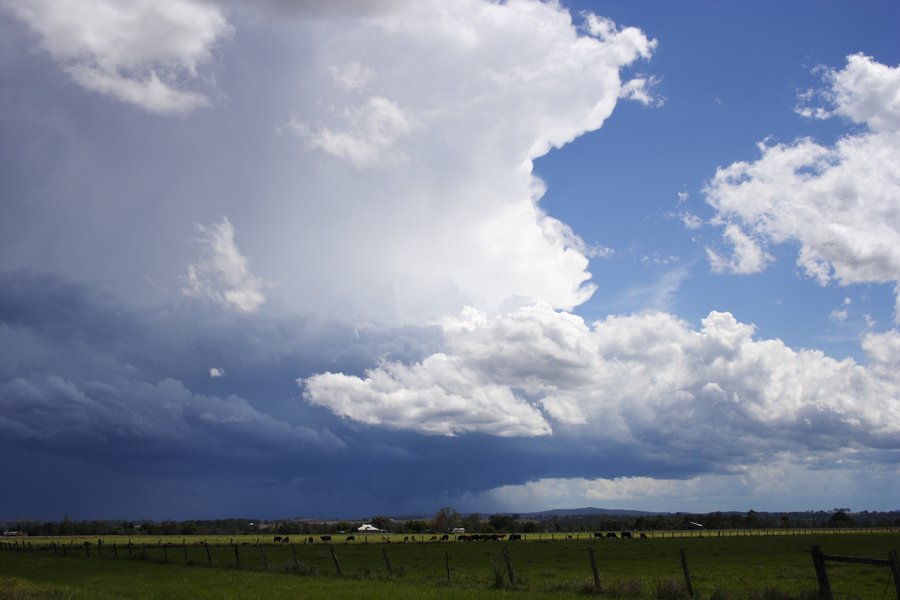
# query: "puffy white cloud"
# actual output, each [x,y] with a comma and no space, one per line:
[221,274]
[144,52]
[441,108]
[690,220]
[353,76]
[747,254]
[649,381]
[216,372]
[441,395]
[839,203]
[370,137]
[867,92]
[640,89]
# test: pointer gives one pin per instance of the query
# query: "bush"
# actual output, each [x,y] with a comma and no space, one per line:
[671,589]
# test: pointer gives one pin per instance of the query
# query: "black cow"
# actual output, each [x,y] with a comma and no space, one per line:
[285,540]
[350,538]
[612,536]
[445,537]
[643,536]
[325,538]
[598,535]
[277,539]
[626,535]
[513,537]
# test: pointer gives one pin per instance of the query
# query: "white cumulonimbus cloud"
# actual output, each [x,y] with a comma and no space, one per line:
[838,202]
[440,110]
[648,381]
[143,52]
[400,187]
[222,274]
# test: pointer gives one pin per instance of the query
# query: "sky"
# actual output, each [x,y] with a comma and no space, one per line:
[275,259]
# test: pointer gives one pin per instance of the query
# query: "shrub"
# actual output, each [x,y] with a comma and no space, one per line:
[671,589]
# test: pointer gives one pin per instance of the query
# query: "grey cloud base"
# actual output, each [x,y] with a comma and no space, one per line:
[629,397]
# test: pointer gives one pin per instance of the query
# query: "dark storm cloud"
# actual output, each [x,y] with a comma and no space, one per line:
[127,394]
[84,376]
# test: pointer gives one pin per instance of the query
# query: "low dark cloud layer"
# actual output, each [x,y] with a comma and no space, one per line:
[123,395]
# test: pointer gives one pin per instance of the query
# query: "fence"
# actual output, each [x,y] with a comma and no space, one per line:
[820,558]
[322,557]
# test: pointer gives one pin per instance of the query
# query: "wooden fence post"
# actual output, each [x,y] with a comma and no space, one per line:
[821,573]
[294,554]
[895,570]
[594,568]
[262,551]
[447,560]
[387,562]
[208,553]
[509,567]
[184,546]
[237,557]
[687,573]
[337,565]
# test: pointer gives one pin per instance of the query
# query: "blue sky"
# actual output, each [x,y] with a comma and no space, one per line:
[279,259]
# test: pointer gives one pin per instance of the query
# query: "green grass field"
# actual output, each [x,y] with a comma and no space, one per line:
[768,566]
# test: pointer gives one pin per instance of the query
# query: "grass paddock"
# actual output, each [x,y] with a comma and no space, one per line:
[761,566]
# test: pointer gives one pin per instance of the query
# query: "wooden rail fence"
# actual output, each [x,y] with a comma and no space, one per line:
[819,559]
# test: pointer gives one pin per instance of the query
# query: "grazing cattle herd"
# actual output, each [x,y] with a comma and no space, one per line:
[463,537]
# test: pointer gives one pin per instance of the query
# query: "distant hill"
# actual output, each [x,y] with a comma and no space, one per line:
[586,511]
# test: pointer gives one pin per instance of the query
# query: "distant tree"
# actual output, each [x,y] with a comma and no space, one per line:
[342,526]
[530,527]
[752,519]
[381,522]
[66,527]
[840,519]
[471,523]
[714,521]
[287,527]
[503,523]
[189,528]
[445,519]
[415,526]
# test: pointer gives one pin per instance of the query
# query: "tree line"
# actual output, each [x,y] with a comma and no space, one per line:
[447,519]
